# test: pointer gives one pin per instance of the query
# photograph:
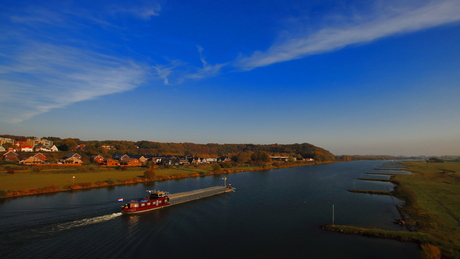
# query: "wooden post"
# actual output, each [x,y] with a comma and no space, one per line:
[332,214]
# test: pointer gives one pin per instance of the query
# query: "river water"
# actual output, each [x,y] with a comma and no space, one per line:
[273,214]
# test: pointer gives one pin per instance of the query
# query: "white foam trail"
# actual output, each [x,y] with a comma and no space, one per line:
[85,222]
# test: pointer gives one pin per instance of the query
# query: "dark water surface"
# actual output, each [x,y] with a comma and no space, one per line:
[273,214]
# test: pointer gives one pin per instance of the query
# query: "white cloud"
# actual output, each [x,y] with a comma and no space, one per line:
[381,22]
[44,77]
[143,10]
[207,70]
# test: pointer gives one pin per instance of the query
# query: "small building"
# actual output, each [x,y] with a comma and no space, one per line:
[132,162]
[111,162]
[32,161]
[97,159]
[27,149]
[279,158]
[40,156]
[122,158]
[10,156]
[72,155]
[72,158]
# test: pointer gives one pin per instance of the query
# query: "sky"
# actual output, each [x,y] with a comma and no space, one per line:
[353,77]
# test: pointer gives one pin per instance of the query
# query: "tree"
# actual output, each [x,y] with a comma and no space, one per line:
[149,174]
[242,157]
[260,156]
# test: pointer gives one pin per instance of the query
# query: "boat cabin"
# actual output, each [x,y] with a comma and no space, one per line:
[156,194]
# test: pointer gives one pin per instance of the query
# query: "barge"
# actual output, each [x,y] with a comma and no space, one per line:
[159,199]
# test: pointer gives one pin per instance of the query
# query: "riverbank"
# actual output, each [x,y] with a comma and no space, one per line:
[29,181]
[431,194]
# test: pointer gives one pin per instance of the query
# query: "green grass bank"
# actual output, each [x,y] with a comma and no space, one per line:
[31,180]
[431,211]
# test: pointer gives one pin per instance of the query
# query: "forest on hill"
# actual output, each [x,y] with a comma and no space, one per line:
[112,147]
[303,150]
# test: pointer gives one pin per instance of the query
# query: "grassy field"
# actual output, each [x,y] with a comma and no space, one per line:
[432,194]
[27,180]
[432,209]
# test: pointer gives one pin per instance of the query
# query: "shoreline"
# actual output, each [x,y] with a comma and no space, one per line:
[429,213]
[102,184]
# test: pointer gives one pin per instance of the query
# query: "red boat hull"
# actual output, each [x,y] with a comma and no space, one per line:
[142,205]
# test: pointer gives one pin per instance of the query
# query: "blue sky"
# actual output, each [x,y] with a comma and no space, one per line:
[380,77]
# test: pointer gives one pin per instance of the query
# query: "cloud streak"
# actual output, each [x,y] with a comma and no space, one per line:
[207,70]
[378,24]
[45,77]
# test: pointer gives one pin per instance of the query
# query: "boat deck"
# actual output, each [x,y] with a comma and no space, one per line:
[196,194]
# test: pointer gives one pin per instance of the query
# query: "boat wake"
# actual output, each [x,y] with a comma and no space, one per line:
[85,222]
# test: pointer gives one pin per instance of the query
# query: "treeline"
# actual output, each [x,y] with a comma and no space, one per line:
[369,157]
[111,147]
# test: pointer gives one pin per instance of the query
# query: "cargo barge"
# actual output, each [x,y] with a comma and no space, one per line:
[159,199]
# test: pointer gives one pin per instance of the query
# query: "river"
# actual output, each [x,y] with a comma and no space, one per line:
[273,214]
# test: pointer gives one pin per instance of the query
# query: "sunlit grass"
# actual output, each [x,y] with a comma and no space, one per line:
[432,209]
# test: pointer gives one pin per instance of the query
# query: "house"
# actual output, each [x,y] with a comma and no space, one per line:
[32,161]
[170,161]
[27,148]
[184,161]
[53,148]
[72,158]
[209,160]
[40,156]
[97,159]
[6,140]
[279,158]
[2,149]
[74,155]
[81,146]
[108,147]
[224,159]
[38,147]
[111,162]
[10,156]
[132,162]
[143,159]
[121,158]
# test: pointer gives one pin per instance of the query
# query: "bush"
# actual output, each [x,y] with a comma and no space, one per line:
[431,251]
[216,167]
[226,165]
[149,174]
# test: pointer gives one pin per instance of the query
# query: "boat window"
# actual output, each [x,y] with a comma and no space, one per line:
[148,204]
[142,204]
[136,205]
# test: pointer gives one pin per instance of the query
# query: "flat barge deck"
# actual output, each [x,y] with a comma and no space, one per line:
[158,199]
[182,197]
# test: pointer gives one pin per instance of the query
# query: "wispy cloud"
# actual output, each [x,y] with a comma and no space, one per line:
[45,63]
[44,77]
[381,22]
[207,70]
[143,10]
